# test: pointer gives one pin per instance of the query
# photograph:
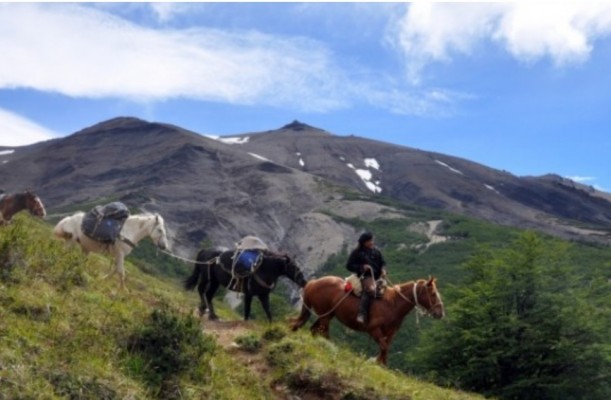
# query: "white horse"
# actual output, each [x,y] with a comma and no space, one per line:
[135,228]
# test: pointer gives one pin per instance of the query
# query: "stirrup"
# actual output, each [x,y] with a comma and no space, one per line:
[360,318]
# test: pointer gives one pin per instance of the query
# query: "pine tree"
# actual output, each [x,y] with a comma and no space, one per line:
[521,328]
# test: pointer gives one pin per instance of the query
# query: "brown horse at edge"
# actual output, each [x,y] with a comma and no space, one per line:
[327,298]
[11,204]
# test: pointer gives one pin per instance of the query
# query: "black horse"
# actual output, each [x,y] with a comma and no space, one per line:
[213,268]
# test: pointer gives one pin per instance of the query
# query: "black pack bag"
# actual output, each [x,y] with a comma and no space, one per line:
[104,223]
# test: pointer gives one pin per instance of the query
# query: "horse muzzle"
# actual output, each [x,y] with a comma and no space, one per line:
[438,312]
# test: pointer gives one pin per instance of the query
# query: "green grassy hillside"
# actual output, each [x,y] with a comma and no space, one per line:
[66,333]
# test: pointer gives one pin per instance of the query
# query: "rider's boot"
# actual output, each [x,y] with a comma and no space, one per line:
[363,307]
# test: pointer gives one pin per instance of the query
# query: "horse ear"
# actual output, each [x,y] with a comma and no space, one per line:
[431,280]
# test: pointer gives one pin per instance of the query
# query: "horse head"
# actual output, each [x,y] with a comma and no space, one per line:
[34,205]
[158,234]
[428,297]
[293,272]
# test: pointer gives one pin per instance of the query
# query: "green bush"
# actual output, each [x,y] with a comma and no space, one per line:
[274,333]
[249,342]
[168,345]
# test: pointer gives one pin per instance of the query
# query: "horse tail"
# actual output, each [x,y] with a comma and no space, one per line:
[191,282]
[303,317]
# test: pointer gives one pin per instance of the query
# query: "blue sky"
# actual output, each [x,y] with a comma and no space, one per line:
[520,87]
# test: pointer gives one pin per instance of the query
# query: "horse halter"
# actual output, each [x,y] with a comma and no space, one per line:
[420,307]
[161,227]
[427,311]
[297,273]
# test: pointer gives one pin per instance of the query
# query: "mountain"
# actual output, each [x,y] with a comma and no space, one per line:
[289,185]
[550,203]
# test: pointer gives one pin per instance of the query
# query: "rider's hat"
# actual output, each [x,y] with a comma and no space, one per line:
[365,237]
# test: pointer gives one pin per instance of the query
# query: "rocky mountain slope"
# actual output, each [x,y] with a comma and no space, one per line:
[285,185]
[549,203]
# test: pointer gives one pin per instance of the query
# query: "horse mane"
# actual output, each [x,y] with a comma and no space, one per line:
[391,294]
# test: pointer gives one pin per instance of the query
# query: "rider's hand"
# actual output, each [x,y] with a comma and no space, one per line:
[383,274]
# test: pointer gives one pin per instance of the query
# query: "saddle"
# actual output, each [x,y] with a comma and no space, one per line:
[353,283]
[104,223]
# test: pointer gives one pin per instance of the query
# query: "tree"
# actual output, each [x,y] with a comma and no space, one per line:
[521,328]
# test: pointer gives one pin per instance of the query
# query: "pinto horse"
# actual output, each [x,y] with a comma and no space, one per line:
[11,204]
[327,298]
[135,228]
[213,268]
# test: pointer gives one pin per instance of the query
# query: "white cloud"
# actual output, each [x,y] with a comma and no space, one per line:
[92,52]
[86,52]
[16,130]
[167,11]
[562,32]
[582,179]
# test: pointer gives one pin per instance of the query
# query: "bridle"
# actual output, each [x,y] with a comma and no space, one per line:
[161,228]
[415,291]
[297,272]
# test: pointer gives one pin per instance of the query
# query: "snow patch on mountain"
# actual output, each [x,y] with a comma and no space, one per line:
[230,140]
[448,167]
[366,175]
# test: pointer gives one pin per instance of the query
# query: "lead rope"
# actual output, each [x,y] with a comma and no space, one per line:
[330,311]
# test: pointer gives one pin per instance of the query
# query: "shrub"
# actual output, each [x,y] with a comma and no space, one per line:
[166,346]
[250,342]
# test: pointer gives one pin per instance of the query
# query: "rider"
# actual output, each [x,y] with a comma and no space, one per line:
[368,263]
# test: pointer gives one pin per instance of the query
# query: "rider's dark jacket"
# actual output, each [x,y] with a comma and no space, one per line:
[364,256]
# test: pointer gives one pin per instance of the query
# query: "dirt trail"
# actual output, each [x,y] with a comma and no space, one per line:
[226,333]
[428,229]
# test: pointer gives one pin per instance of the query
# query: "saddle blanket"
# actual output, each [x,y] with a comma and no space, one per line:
[104,223]
[353,283]
[251,242]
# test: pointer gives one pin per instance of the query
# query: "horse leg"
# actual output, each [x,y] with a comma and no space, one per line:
[264,298]
[247,305]
[214,285]
[383,342]
[302,319]
[121,270]
[321,326]
[203,302]
[113,264]
[315,328]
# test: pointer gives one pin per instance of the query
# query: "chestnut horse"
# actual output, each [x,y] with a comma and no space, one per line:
[11,204]
[327,298]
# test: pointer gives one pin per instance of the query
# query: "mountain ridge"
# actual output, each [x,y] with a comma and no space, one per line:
[285,185]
